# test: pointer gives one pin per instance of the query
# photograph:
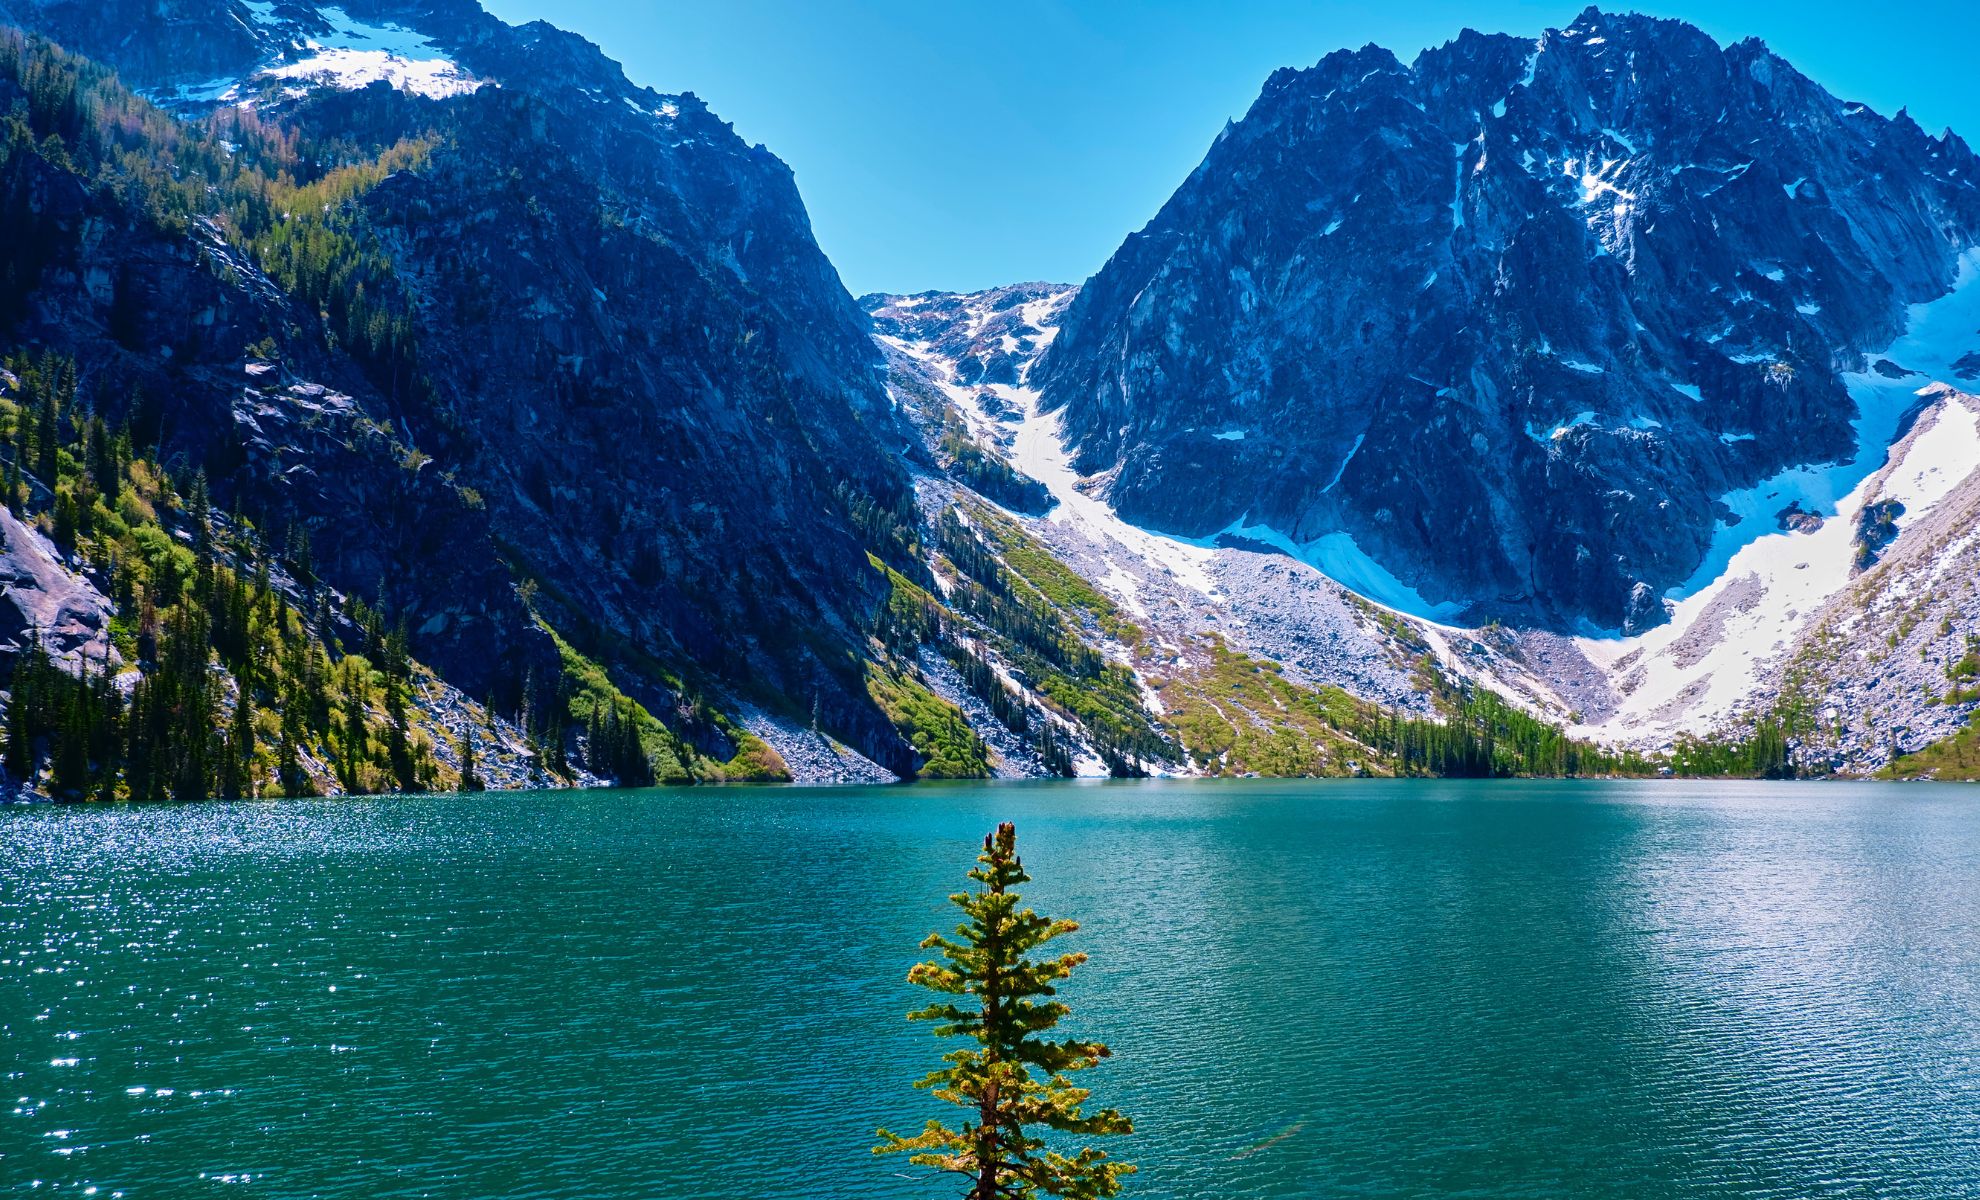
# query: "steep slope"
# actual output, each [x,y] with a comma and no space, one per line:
[155,648]
[1814,541]
[576,334]
[1889,665]
[1245,660]
[1491,334]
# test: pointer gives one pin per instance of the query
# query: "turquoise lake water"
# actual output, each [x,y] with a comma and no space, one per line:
[1312,989]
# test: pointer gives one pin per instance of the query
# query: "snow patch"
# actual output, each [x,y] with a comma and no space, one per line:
[1760,585]
[1599,180]
[1457,198]
[1342,469]
[1936,335]
[353,54]
[348,70]
[1584,417]
[1722,641]
[1037,449]
[1124,587]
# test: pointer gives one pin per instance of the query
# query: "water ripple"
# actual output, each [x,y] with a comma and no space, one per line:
[1510,990]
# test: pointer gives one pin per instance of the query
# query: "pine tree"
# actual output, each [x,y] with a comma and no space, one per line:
[21,709]
[199,505]
[470,779]
[239,779]
[398,745]
[301,564]
[100,459]
[65,522]
[356,742]
[999,1081]
[47,425]
[288,751]
[71,765]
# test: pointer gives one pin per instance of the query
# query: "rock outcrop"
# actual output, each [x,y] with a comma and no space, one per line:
[43,601]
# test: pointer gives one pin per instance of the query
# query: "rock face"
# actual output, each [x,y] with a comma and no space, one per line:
[168,42]
[642,389]
[1510,317]
[988,335]
[42,600]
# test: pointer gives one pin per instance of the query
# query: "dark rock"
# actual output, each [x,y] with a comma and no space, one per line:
[1797,519]
[1498,305]
[1876,528]
[1643,610]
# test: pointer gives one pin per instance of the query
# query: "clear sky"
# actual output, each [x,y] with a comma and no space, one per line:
[964,143]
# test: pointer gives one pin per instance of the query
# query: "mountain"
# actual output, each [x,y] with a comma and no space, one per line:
[1508,322]
[516,343]
[1107,648]
[1620,371]
[395,398]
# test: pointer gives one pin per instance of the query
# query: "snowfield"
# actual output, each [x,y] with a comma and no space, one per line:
[350,69]
[350,54]
[1760,587]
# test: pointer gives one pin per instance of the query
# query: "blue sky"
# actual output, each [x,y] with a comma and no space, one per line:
[961,144]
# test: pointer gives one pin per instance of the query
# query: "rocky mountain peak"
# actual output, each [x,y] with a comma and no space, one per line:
[1627,266]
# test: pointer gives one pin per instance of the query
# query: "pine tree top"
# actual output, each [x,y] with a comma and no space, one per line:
[1014,1079]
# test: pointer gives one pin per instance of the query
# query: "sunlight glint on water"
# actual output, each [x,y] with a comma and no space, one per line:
[1312,989]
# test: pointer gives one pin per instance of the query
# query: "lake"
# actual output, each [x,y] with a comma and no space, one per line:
[1352,988]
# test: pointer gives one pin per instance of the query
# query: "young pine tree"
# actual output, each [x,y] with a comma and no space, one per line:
[471,780]
[238,778]
[1014,1081]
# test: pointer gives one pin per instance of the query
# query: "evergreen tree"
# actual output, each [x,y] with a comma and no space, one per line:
[1013,1081]
[71,766]
[239,779]
[470,780]
[199,506]
[65,523]
[398,744]
[21,710]
[356,743]
[47,424]
[288,753]
[301,564]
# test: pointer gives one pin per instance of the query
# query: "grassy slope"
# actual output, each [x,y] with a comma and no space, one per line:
[1241,715]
